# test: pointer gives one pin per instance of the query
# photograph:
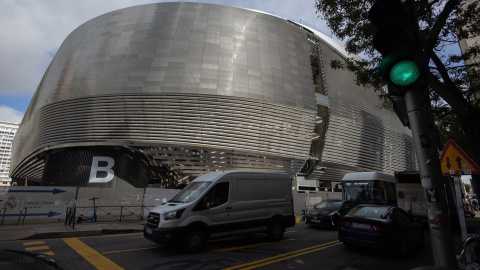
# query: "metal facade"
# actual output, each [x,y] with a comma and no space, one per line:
[202,87]
[361,134]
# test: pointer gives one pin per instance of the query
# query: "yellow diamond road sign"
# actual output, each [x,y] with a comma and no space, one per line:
[455,162]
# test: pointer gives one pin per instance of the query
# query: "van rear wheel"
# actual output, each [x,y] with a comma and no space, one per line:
[275,231]
[194,240]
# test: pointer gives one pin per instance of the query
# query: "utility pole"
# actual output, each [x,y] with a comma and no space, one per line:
[405,70]
[432,181]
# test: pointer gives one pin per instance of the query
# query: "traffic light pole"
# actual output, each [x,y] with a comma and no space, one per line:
[432,180]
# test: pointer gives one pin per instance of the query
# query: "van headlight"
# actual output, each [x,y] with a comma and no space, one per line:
[173,214]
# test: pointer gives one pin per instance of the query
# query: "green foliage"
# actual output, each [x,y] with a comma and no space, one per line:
[468,187]
[454,83]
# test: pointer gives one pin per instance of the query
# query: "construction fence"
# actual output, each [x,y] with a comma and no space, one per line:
[37,205]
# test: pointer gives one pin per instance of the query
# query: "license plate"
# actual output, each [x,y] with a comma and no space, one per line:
[360,225]
[148,231]
[316,221]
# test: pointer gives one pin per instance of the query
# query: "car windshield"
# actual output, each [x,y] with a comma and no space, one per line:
[369,212]
[329,205]
[191,192]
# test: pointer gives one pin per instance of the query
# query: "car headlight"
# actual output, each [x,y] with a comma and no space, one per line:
[173,214]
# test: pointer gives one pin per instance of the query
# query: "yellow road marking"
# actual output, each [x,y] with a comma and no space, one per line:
[248,246]
[284,256]
[91,255]
[127,250]
[36,248]
[33,243]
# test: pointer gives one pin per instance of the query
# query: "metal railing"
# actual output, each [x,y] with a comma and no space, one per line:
[105,214]
[21,216]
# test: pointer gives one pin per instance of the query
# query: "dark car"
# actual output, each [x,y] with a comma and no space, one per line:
[18,259]
[327,212]
[380,226]
[468,209]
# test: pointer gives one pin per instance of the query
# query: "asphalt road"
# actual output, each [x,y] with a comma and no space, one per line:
[302,248]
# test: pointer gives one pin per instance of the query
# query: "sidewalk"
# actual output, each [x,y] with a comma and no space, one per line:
[58,230]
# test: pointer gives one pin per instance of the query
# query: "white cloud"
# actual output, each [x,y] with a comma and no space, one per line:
[10,115]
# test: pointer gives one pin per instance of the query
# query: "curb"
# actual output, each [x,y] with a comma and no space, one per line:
[60,231]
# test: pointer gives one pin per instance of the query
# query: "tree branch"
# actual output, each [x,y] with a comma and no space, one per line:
[438,26]
[447,89]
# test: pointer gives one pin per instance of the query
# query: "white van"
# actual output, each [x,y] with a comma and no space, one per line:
[222,204]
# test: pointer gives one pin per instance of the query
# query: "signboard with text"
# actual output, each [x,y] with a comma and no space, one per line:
[35,204]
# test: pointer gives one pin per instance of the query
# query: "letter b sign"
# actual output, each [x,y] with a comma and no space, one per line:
[102,165]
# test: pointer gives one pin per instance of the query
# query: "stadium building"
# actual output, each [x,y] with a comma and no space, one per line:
[155,95]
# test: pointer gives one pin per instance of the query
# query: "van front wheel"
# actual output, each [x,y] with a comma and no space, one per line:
[194,240]
[275,231]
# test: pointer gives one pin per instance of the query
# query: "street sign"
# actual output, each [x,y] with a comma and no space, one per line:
[455,162]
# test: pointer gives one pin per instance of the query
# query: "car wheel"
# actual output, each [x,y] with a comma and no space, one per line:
[194,240]
[275,231]
[403,248]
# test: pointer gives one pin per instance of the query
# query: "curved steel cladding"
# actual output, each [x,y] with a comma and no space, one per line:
[361,134]
[164,77]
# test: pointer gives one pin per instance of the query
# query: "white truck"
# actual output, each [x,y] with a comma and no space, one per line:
[410,194]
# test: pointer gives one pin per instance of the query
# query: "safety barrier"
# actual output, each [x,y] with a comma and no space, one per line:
[75,215]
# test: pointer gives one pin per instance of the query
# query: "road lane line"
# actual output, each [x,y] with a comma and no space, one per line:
[248,246]
[36,248]
[291,256]
[40,249]
[110,235]
[33,243]
[284,256]
[91,255]
[127,250]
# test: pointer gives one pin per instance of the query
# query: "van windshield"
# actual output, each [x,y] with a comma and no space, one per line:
[191,192]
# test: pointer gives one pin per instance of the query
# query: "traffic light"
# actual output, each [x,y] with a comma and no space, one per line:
[398,40]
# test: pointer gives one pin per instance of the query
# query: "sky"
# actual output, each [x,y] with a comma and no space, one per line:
[32,31]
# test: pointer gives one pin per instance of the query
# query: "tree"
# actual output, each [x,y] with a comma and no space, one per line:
[468,187]
[454,88]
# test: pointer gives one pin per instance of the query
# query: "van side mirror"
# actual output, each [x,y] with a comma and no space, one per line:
[204,204]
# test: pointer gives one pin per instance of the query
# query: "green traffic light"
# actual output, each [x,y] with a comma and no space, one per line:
[404,73]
